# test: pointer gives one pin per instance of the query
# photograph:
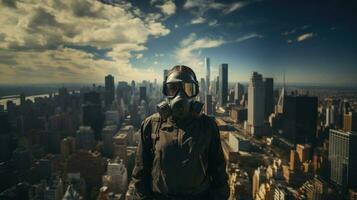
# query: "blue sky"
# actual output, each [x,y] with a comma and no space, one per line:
[82,41]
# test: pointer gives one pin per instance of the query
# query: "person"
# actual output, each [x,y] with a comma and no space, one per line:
[179,154]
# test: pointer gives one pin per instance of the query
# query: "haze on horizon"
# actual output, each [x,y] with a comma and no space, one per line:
[82,41]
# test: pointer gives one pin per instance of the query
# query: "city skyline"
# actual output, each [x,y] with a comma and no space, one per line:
[82,41]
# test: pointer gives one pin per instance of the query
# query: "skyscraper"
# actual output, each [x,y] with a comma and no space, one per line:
[143,93]
[238,93]
[223,84]
[203,90]
[256,104]
[165,74]
[92,112]
[85,138]
[208,74]
[343,158]
[299,119]
[350,121]
[109,90]
[208,104]
[269,96]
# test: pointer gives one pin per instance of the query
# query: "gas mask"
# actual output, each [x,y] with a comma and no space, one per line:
[180,87]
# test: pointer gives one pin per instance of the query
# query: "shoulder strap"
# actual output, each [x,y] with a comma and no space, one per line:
[156,122]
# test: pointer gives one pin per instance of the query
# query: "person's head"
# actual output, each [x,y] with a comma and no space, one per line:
[180,86]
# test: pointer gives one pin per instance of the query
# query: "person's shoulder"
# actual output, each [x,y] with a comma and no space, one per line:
[152,118]
[210,121]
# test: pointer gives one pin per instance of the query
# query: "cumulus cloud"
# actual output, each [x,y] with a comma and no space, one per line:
[305,36]
[190,48]
[35,35]
[168,8]
[198,20]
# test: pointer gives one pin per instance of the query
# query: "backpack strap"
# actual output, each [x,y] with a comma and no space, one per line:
[156,122]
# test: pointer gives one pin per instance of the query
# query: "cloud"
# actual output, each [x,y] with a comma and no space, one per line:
[248,36]
[305,37]
[213,23]
[198,20]
[235,6]
[35,35]
[168,8]
[189,50]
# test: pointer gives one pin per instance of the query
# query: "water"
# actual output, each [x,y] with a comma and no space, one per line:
[16,99]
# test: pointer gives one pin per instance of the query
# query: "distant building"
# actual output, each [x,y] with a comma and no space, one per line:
[208,74]
[68,146]
[303,152]
[111,117]
[239,114]
[256,104]
[142,93]
[269,97]
[116,178]
[238,143]
[54,191]
[92,112]
[238,93]
[259,177]
[107,137]
[299,119]
[85,138]
[166,72]
[128,130]
[202,93]
[343,158]
[208,105]
[350,121]
[223,84]
[120,145]
[109,90]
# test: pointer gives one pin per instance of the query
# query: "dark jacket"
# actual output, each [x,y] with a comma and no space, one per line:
[181,161]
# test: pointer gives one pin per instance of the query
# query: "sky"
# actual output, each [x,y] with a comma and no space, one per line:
[81,41]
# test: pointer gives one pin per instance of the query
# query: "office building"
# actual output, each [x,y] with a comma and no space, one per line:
[92,112]
[142,93]
[107,137]
[119,147]
[116,178]
[238,114]
[342,155]
[299,119]
[269,97]
[238,93]
[256,104]
[202,93]
[350,121]
[109,90]
[223,85]
[68,146]
[85,138]
[208,105]
[208,74]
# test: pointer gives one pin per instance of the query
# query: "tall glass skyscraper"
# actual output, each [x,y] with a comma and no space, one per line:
[208,73]
[256,103]
[343,158]
[109,90]
[223,84]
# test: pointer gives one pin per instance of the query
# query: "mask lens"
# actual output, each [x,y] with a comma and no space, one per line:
[190,89]
[171,89]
